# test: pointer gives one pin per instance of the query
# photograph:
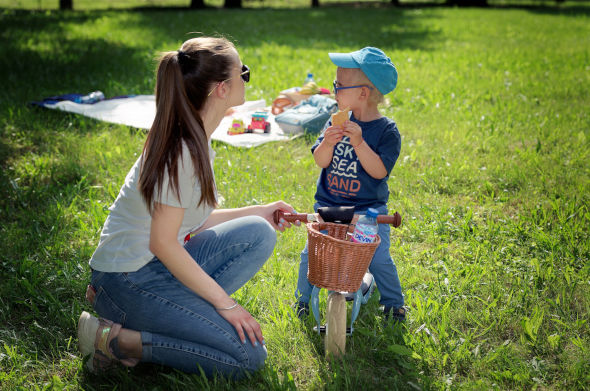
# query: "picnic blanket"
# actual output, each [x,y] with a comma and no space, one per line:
[139,111]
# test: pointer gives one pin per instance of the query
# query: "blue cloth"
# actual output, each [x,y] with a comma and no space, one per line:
[345,182]
[178,328]
[55,99]
[70,97]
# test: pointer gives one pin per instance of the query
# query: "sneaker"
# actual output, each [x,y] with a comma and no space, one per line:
[398,314]
[94,340]
[301,309]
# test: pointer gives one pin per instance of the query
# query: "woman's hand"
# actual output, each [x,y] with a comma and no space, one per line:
[267,211]
[244,323]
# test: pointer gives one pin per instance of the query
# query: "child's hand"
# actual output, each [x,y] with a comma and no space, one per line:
[354,133]
[333,135]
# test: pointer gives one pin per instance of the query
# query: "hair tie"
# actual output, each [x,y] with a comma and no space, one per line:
[184,56]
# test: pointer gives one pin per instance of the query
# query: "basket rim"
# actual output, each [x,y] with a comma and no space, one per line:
[310,226]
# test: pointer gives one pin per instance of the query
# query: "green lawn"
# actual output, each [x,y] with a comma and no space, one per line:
[493,183]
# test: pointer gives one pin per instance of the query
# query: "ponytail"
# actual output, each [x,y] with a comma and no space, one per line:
[182,83]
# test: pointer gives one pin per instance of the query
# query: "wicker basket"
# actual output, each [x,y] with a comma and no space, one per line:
[335,263]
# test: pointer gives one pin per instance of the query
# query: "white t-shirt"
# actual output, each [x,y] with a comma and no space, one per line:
[124,241]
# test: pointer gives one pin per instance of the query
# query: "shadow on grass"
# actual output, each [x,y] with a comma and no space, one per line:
[376,345]
[88,63]
[42,284]
[268,378]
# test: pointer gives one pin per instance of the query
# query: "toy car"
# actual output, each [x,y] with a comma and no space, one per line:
[237,127]
[259,122]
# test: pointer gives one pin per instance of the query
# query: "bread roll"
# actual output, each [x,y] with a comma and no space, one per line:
[339,118]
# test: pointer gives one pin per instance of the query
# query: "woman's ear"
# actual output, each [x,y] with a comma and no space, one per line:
[223,90]
[220,90]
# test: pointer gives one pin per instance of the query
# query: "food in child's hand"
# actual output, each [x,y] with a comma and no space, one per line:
[340,117]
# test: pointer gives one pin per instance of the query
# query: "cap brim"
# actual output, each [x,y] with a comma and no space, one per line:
[343,60]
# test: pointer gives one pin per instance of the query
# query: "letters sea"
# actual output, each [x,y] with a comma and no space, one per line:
[344,169]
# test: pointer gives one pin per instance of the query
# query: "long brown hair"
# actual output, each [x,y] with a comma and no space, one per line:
[184,79]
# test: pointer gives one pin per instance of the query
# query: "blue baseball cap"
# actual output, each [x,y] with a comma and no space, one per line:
[375,65]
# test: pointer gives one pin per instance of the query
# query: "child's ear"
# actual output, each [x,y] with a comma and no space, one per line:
[365,93]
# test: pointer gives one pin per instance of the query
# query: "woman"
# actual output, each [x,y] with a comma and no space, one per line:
[163,299]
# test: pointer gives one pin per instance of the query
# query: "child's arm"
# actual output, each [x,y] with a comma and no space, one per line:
[370,161]
[323,153]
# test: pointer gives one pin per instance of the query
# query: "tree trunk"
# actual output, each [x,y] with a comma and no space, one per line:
[232,4]
[315,3]
[66,4]
[197,4]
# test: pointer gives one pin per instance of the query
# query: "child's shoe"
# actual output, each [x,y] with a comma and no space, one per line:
[95,339]
[398,314]
[301,309]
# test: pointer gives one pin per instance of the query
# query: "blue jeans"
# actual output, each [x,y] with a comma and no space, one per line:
[382,267]
[178,328]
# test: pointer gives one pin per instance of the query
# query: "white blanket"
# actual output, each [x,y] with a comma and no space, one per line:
[139,111]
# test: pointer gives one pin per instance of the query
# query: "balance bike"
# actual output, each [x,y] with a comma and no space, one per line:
[339,265]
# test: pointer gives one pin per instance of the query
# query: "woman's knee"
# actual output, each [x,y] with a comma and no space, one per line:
[256,358]
[266,234]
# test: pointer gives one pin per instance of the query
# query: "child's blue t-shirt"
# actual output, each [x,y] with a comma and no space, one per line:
[345,182]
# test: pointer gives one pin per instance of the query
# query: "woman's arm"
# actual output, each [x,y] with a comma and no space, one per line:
[266,211]
[166,222]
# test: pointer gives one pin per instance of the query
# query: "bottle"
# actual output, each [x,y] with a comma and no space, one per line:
[309,78]
[93,97]
[366,227]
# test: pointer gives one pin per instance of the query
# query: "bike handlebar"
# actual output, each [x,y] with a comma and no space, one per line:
[395,220]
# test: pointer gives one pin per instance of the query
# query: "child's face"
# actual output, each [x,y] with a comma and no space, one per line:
[349,97]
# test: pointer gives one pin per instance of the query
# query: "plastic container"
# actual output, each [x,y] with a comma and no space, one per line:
[93,97]
[366,227]
[309,78]
[309,116]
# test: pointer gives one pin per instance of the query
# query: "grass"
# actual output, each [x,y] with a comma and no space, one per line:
[493,184]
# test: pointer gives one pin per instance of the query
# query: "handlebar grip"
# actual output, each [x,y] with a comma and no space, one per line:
[394,220]
[276,215]
[290,217]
